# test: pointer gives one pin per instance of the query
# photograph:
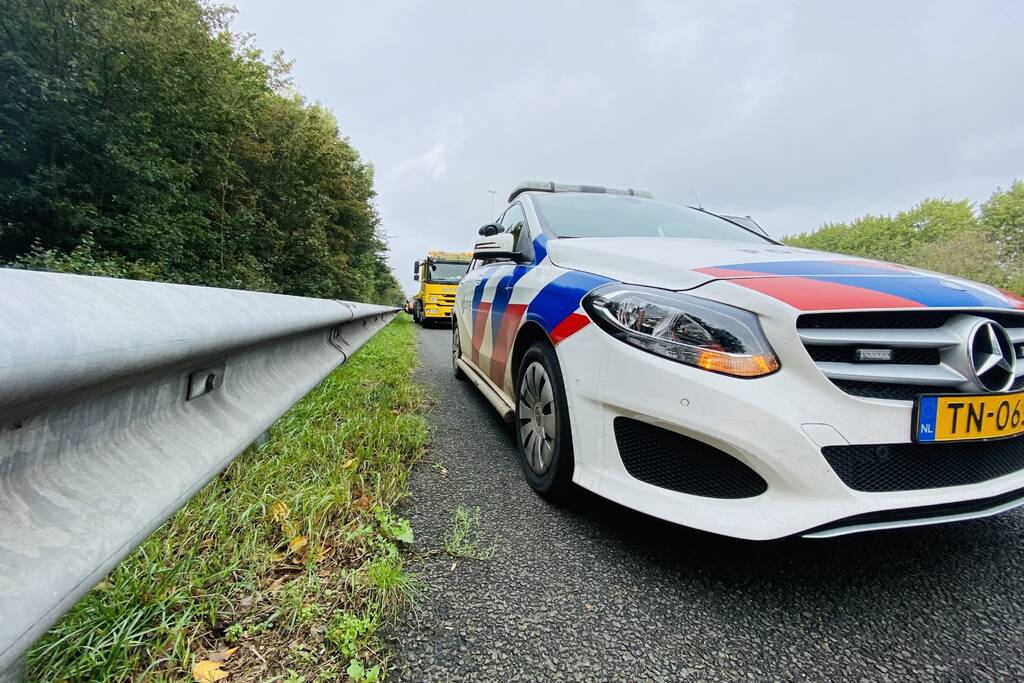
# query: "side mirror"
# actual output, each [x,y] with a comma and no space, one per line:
[416,277]
[416,267]
[500,247]
[491,229]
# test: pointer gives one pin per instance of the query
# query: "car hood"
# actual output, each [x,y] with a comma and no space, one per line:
[803,278]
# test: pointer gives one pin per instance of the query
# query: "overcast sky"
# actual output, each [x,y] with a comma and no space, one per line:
[797,113]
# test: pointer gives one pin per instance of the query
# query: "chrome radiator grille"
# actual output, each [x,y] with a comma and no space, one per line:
[927,351]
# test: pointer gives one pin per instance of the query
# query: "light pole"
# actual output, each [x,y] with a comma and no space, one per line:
[492,203]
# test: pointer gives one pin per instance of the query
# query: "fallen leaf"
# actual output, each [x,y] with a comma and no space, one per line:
[275,585]
[444,472]
[206,543]
[207,671]
[364,502]
[222,655]
[297,544]
[279,511]
[348,463]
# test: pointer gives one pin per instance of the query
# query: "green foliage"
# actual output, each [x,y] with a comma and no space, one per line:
[360,674]
[87,259]
[465,537]
[986,245]
[350,633]
[147,140]
[394,527]
[1002,219]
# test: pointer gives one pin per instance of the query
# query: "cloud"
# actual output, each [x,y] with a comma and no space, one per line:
[434,162]
[797,113]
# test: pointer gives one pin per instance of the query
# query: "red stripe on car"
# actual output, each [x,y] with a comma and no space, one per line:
[503,343]
[728,272]
[480,316]
[568,327]
[1014,300]
[808,294]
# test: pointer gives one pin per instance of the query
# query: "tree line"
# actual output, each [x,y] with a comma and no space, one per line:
[983,243]
[144,139]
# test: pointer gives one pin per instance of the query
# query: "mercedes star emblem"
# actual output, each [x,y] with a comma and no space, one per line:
[992,356]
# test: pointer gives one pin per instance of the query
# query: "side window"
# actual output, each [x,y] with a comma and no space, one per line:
[514,221]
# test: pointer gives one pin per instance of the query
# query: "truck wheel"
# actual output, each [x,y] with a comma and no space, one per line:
[417,313]
[543,433]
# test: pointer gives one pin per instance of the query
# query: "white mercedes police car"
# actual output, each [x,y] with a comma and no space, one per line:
[689,367]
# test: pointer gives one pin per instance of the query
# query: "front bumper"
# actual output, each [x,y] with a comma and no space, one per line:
[775,425]
[437,312]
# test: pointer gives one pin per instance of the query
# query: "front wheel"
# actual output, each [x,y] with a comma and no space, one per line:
[542,422]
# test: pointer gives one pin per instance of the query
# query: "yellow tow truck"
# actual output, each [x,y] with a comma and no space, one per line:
[438,275]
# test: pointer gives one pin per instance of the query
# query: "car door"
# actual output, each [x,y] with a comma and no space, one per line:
[464,307]
[495,318]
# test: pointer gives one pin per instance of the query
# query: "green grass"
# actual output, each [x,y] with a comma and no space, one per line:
[464,538]
[291,554]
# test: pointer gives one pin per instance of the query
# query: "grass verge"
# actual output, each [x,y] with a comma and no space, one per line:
[284,566]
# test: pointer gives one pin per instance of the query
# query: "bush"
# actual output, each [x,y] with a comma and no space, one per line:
[147,140]
[984,244]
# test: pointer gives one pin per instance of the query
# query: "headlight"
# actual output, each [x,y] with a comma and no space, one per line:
[684,328]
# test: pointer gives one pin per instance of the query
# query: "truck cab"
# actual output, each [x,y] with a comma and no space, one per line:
[438,275]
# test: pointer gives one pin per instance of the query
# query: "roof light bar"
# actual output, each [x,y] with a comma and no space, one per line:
[548,186]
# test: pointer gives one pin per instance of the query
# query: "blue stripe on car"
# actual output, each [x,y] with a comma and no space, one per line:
[502,294]
[561,297]
[540,248]
[478,294]
[925,290]
[812,268]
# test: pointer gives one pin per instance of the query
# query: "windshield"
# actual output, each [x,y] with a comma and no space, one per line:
[609,215]
[442,271]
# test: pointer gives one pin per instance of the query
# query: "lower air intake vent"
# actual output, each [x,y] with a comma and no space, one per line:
[678,463]
[912,466]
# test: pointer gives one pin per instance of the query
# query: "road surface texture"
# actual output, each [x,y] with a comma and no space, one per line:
[591,591]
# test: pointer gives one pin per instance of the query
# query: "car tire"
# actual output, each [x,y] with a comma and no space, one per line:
[456,352]
[542,428]
[417,313]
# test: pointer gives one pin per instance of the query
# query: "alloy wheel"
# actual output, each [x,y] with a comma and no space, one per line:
[535,411]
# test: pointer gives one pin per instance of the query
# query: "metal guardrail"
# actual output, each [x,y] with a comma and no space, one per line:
[119,400]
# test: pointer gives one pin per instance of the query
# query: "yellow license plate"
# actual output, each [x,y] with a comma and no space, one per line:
[968,418]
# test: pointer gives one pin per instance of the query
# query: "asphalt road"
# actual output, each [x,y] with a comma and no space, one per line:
[593,591]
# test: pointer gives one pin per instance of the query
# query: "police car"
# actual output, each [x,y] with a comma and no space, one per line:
[684,364]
